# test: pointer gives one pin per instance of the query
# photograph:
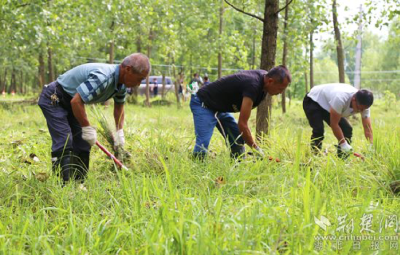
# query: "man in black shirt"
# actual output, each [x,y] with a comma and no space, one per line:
[240,92]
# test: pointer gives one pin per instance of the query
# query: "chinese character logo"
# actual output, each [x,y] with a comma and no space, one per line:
[322,222]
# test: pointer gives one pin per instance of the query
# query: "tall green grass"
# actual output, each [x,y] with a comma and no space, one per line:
[169,204]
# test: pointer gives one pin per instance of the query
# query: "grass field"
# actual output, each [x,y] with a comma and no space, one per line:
[169,204]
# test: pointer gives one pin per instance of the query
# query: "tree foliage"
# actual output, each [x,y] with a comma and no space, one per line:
[56,35]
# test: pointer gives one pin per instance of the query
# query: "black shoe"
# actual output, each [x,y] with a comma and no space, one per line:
[61,164]
[200,156]
[316,147]
[237,152]
[341,154]
[80,162]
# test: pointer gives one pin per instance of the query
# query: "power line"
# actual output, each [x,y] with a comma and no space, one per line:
[380,79]
[365,72]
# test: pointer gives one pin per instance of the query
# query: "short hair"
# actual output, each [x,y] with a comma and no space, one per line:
[279,73]
[364,97]
[139,63]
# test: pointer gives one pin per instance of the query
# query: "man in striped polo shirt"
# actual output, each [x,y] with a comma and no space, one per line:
[63,105]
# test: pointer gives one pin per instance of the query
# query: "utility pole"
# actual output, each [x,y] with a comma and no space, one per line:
[357,73]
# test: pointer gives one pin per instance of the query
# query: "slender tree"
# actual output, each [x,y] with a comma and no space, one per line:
[285,51]
[268,52]
[339,46]
[221,24]
[311,59]
[41,70]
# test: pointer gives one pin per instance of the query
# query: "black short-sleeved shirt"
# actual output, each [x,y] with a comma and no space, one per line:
[226,94]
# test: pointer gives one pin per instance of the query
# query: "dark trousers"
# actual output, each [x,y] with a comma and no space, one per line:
[155,91]
[65,131]
[316,116]
[205,121]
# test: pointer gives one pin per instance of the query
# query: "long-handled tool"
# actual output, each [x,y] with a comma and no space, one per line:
[111,155]
[358,155]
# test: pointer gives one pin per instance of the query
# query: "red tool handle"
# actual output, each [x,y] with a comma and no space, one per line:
[358,155]
[111,155]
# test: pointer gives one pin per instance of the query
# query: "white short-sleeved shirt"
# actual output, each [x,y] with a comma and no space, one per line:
[336,96]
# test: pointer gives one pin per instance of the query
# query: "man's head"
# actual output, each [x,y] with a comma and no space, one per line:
[362,100]
[133,69]
[276,80]
[195,75]
[205,78]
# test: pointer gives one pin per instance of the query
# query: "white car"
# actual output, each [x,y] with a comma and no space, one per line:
[169,85]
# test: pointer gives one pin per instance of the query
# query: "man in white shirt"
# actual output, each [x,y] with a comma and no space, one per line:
[332,103]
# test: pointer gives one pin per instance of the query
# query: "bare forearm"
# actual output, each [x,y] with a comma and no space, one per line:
[247,137]
[119,116]
[78,108]
[337,131]
[368,133]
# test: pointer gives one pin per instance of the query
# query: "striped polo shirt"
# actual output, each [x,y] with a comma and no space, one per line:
[95,83]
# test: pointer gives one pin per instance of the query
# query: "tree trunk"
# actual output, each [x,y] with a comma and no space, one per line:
[147,102]
[135,91]
[110,54]
[268,51]
[221,22]
[357,73]
[253,57]
[177,81]
[311,60]
[2,81]
[181,76]
[163,86]
[13,82]
[285,50]
[50,64]
[41,70]
[295,89]
[21,83]
[339,47]
[111,59]
[305,82]
[112,42]
[55,70]
[138,44]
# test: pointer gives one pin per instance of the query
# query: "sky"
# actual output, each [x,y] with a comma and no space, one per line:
[347,10]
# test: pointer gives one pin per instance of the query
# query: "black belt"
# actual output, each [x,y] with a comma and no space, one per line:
[64,97]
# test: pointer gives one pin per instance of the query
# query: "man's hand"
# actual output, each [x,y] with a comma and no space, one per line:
[89,135]
[345,147]
[367,129]
[119,138]
[259,152]
[370,149]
